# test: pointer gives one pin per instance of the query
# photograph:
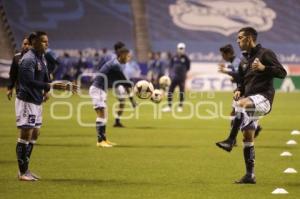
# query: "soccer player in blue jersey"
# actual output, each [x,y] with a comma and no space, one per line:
[110,72]
[229,56]
[120,91]
[33,82]
[254,95]
[156,69]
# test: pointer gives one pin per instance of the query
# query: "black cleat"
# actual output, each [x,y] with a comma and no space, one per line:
[246,179]
[257,131]
[119,125]
[225,145]
[235,143]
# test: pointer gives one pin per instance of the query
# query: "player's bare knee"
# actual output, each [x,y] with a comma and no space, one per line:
[25,133]
[248,136]
[245,103]
[35,134]
[100,112]
[122,103]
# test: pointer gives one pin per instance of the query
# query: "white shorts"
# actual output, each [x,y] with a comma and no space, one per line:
[120,92]
[98,96]
[262,104]
[251,117]
[28,115]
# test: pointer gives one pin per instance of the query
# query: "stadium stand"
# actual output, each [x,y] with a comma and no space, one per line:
[172,21]
[72,24]
[7,42]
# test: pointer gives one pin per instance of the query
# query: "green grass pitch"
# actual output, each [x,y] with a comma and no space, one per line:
[155,158]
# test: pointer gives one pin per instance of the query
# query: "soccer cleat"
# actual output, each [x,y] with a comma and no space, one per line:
[179,109]
[235,143]
[28,172]
[257,131]
[246,179]
[111,143]
[33,175]
[103,144]
[26,177]
[119,125]
[166,109]
[225,145]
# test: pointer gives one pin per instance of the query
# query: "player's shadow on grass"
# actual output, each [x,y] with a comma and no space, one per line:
[143,127]
[277,129]
[108,182]
[62,145]
[293,184]
[155,146]
[270,147]
[172,127]
[69,135]
[8,162]
[8,135]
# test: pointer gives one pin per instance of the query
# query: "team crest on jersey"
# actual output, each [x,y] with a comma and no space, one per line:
[222,16]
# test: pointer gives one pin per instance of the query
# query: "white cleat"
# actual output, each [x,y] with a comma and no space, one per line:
[103,144]
[27,177]
[166,109]
[179,109]
[29,173]
[34,175]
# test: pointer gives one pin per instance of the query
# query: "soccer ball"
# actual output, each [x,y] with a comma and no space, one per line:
[164,81]
[143,89]
[157,96]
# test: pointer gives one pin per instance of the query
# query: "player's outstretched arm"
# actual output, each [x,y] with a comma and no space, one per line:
[65,86]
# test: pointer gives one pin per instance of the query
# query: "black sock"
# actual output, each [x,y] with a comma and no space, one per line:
[21,150]
[249,157]
[236,123]
[170,97]
[29,150]
[181,99]
[117,120]
[101,127]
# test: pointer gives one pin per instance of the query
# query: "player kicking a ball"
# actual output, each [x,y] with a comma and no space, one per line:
[120,91]
[111,72]
[33,88]
[254,95]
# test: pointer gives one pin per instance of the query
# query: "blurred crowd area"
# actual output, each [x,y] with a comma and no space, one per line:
[79,64]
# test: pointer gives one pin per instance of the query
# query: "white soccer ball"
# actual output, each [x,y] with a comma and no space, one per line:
[164,81]
[157,96]
[143,89]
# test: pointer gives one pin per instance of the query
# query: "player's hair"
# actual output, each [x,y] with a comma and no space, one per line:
[121,51]
[118,45]
[25,37]
[249,31]
[35,35]
[227,49]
